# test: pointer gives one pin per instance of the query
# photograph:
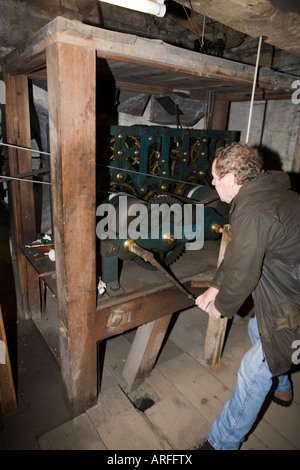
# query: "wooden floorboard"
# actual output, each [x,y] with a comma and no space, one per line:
[188,395]
[185,395]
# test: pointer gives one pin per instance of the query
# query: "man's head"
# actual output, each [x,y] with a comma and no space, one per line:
[232,167]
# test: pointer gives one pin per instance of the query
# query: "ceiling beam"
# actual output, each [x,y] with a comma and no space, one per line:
[276,20]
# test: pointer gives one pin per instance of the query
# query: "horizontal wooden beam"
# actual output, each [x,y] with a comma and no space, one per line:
[126,48]
[130,314]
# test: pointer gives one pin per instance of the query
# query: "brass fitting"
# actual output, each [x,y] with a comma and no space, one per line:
[128,243]
[168,237]
[216,228]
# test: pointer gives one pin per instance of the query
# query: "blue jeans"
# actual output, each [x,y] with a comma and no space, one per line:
[253,384]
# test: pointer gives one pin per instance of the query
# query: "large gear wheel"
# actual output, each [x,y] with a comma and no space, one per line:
[168,257]
[123,186]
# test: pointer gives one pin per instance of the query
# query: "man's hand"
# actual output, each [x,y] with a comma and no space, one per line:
[206,298]
[206,302]
[212,311]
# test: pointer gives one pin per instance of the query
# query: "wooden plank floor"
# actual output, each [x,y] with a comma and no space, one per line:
[184,393]
[180,399]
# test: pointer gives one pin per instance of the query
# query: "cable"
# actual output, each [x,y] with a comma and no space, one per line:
[98,164]
[147,174]
[8,178]
[24,148]
[203,28]
[192,26]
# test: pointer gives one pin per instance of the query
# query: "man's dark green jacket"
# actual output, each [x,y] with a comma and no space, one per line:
[263,259]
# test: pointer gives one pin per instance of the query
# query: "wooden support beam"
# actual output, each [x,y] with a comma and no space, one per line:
[144,351]
[295,173]
[220,115]
[215,334]
[133,313]
[296,159]
[71,96]
[8,400]
[218,112]
[20,161]
[21,196]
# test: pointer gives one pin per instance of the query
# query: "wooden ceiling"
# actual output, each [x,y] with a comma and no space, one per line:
[278,21]
[151,66]
[224,79]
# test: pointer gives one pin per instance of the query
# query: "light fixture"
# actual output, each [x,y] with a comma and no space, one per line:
[153,7]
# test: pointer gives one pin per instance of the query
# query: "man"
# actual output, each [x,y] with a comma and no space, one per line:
[262,259]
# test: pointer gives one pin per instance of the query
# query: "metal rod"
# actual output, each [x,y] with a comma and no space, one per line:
[24,148]
[148,256]
[12,178]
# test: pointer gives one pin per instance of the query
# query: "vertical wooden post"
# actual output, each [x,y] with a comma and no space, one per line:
[21,196]
[71,95]
[215,334]
[295,171]
[144,350]
[8,399]
[220,115]
[296,159]
[218,118]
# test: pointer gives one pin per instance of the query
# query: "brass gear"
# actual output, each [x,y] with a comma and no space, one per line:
[123,186]
[168,257]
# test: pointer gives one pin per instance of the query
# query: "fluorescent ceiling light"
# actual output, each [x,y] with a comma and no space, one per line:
[153,7]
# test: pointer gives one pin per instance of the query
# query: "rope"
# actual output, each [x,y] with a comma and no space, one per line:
[253,90]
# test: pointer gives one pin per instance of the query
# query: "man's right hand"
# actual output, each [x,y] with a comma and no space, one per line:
[203,300]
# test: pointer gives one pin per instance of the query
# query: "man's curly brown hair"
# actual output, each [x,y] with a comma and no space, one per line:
[244,162]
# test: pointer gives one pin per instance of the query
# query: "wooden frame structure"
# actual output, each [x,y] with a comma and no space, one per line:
[65,53]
